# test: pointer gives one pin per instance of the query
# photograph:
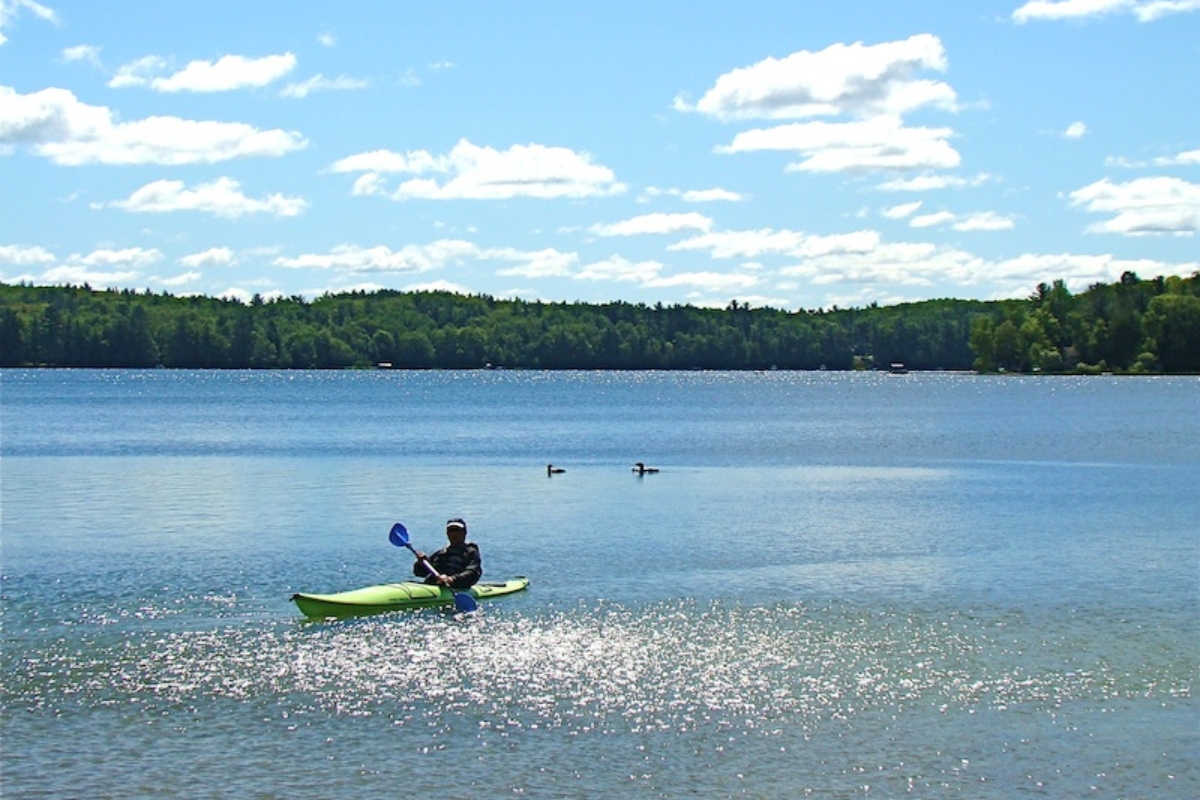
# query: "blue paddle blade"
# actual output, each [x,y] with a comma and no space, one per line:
[464,602]
[398,535]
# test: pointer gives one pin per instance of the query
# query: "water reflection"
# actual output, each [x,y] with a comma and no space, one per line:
[670,667]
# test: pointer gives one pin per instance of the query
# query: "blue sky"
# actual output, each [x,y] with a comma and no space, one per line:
[788,154]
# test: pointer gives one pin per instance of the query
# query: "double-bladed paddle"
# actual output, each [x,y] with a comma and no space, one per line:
[399,537]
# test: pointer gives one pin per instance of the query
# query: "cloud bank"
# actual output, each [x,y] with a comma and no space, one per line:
[473,172]
[54,124]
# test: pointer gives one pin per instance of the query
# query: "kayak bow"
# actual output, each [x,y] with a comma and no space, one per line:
[395,597]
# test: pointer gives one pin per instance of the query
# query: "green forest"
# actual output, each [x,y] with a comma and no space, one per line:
[1131,326]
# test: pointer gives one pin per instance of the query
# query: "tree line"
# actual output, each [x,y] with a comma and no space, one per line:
[1134,325]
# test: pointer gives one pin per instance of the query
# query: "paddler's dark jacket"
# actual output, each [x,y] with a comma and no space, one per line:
[459,561]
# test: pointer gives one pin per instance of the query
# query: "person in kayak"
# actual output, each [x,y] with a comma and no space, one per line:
[458,563]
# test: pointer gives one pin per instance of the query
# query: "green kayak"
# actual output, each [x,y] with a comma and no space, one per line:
[395,596]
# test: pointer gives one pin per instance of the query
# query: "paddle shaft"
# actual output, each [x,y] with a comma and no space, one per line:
[424,561]
[430,567]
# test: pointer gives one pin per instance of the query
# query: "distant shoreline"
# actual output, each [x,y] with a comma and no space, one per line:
[958,372]
[1134,326]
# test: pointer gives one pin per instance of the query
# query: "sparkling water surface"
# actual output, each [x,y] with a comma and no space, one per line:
[839,585]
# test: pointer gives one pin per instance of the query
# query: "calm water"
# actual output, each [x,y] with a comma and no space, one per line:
[839,585]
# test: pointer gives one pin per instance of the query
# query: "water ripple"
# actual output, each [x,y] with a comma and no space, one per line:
[674,667]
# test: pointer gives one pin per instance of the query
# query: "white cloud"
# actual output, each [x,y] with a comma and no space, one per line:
[863,257]
[1148,12]
[227,73]
[755,300]
[1068,9]
[104,268]
[655,223]
[357,260]
[11,9]
[82,52]
[439,286]
[483,173]
[182,279]
[978,221]
[903,263]
[139,257]
[1143,207]
[411,258]
[389,161]
[924,264]
[234,293]
[1188,158]
[881,143]
[856,79]
[1185,159]
[1077,271]
[222,198]
[856,242]
[711,196]
[902,211]
[859,257]
[58,126]
[711,282]
[1076,130]
[621,269]
[78,275]
[714,195]
[369,184]
[327,39]
[521,171]
[931,220]
[212,257]
[743,244]
[548,263]
[137,73]
[931,182]
[750,244]
[319,83]
[25,256]
[1144,10]
[983,221]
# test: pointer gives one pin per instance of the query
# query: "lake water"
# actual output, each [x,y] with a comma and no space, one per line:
[839,585]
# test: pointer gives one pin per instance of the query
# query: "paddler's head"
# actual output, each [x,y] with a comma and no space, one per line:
[456,530]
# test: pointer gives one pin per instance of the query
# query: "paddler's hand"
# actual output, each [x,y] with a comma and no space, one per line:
[445,580]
